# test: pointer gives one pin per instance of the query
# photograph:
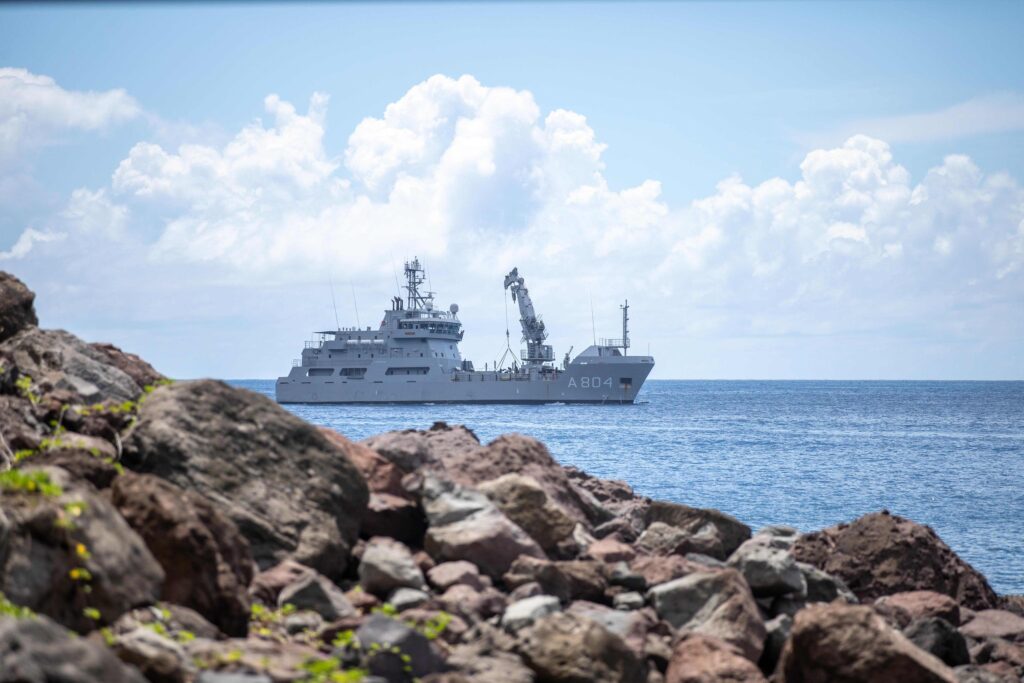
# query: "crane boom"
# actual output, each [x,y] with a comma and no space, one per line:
[534,334]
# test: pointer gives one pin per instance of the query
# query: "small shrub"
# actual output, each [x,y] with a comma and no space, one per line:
[29,482]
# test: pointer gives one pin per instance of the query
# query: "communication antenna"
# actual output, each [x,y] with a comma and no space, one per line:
[334,303]
[355,304]
[394,269]
[593,325]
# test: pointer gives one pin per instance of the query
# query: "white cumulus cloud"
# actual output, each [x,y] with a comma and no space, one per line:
[34,109]
[478,179]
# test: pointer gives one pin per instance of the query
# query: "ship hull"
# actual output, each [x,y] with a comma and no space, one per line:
[598,380]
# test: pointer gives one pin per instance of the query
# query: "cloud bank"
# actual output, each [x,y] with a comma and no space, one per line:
[477,179]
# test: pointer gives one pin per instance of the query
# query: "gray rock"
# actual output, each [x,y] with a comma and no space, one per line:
[397,646]
[160,659]
[628,601]
[56,359]
[567,648]
[527,590]
[36,650]
[303,621]
[445,503]
[522,613]
[406,449]
[768,570]
[17,311]
[663,539]
[290,491]
[713,532]
[42,567]
[316,592]
[226,677]
[823,587]
[706,560]
[488,665]
[386,565]
[407,598]
[940,638]
[714,603]
[622,575]
[972,673]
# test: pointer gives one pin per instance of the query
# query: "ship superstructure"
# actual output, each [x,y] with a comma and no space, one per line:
[413,357]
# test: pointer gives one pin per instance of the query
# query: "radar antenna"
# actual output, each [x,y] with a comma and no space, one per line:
[534,333]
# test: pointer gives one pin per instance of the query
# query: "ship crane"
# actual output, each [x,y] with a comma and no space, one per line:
[534,334]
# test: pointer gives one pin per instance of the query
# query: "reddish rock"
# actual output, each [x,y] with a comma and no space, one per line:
[1012,603]
[267,585]
[611,550]
[206,561]
[630,625]
[995,623]
[657,570]
[381,475]
[525,502]
[702,659]
[851,644]
[487,539]
[471,603]
[881,554]
[139,370]
[902,608]
[448,574]
[567,580]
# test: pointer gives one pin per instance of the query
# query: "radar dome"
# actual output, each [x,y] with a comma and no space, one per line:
[454,308]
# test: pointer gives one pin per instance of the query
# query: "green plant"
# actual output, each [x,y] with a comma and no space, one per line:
[436,625]
[387,609]
[328,670]
[29,482]
[91,613]
[9,609]
[24,385]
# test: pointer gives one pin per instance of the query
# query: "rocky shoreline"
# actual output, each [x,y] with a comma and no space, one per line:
[191,531]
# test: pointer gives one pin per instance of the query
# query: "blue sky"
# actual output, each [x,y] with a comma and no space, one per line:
[687,95]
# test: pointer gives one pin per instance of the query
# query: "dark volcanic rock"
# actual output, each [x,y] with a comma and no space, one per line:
[940,638]
[130,364]
[16,309]
[397,646]
[315,592]
[881,554]
[80,464]
[566,648]
[62,555]
[851,644]
[291,492]
[702,659]
[36,650]
[206,560]
[58,360]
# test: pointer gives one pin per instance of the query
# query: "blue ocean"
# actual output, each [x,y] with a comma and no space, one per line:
[809,454]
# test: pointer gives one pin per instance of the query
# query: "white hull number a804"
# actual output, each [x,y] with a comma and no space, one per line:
[590,382]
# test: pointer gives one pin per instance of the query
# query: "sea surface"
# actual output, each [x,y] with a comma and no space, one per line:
[809,454]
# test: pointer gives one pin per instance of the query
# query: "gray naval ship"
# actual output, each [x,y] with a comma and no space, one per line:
[413,357]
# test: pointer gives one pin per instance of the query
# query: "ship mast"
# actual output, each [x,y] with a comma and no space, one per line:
[625,328]
[414,277]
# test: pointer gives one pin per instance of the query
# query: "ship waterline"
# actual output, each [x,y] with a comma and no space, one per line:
[413,357]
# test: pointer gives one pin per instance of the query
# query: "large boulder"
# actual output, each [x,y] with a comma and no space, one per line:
[455,453]
[995,623]
[851,644]
[526,503]
[713,603]
[566,648]
[36,650]
[567,580]
[940,638]
[67,553]
[16,306]
[881,554]
[711,532]
[206,561]
[703,659]
[316,593]
[466,525]
[58,360]
[290,491]
[381,475]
